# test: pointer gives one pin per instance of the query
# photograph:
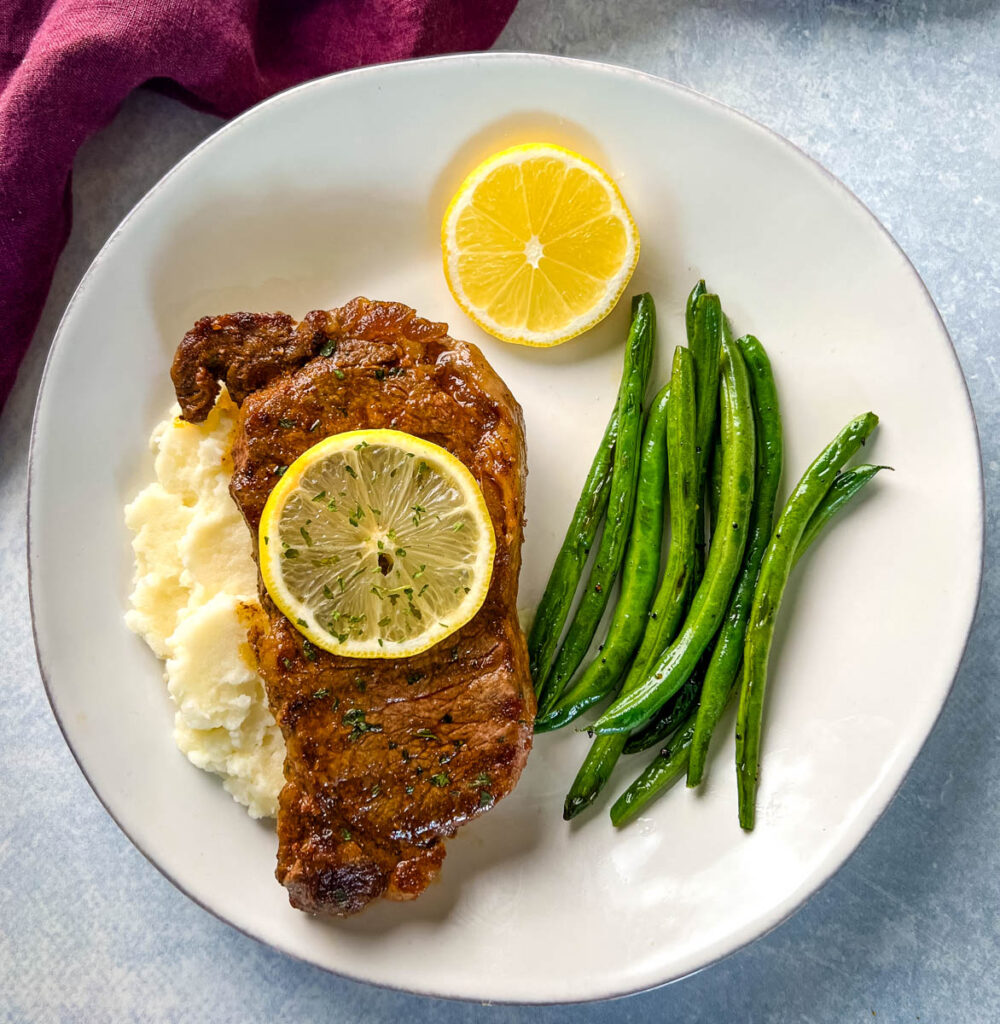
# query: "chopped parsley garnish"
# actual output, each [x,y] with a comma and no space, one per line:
[440,780]
[291,553]
[280,470]
[306,537]
[350,469]
[321,693]
[345,835]
[355,718]
[308,650]
[320,496]
[426,734]
[329,348]
[379,373]
[339,374]
[287,424]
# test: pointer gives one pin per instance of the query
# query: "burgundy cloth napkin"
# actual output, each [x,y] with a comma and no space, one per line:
[66,65]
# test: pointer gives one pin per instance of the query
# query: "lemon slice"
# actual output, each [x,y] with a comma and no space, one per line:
[376,544]
[538,245]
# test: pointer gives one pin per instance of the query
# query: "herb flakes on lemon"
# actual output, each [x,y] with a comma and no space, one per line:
[538,245]
[376,544]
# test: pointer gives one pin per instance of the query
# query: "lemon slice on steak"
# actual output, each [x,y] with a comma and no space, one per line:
[376,544]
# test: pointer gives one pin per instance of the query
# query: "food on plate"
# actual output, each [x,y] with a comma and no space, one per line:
[639,572]
[553,608]
[715,607]
[803,503]
[195,591]
[621,504]
[658,615]
[664,617]
[538,244]
[385,758]
[635,707]
[720,675]
[676,757]
[376,544]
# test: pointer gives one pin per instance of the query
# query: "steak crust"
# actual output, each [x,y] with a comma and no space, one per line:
[386,758]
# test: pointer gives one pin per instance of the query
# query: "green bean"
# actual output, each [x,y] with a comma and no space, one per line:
[670,717]
[715,482]
[671,598]
[639,573]
[848,486]
[568,567]
[799,509]
[696,293]
[634,709]
[668,766]
[621,502]
[706,349]
[728,652]
[675,588]
[842,490]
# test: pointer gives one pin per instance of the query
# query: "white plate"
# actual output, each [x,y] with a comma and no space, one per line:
[337,188]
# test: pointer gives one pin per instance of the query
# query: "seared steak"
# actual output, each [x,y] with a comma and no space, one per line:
[385,758]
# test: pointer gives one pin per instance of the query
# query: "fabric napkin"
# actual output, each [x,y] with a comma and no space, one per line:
[66,65]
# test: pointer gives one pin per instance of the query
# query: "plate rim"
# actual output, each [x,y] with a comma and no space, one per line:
[767,924]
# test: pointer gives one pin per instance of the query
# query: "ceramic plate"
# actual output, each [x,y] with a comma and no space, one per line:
[337,188]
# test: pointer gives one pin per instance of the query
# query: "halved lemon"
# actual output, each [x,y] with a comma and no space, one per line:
[376,544]
[538,244]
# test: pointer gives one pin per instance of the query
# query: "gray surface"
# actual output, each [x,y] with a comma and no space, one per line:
[902,101]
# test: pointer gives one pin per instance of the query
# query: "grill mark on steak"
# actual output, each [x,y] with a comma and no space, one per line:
[376,775]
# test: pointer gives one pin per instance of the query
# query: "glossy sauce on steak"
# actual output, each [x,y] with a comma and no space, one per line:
[385,758]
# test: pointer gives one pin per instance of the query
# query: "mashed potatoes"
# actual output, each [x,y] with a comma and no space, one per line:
[195,592]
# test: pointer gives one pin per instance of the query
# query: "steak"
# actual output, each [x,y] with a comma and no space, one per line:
[386,758]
